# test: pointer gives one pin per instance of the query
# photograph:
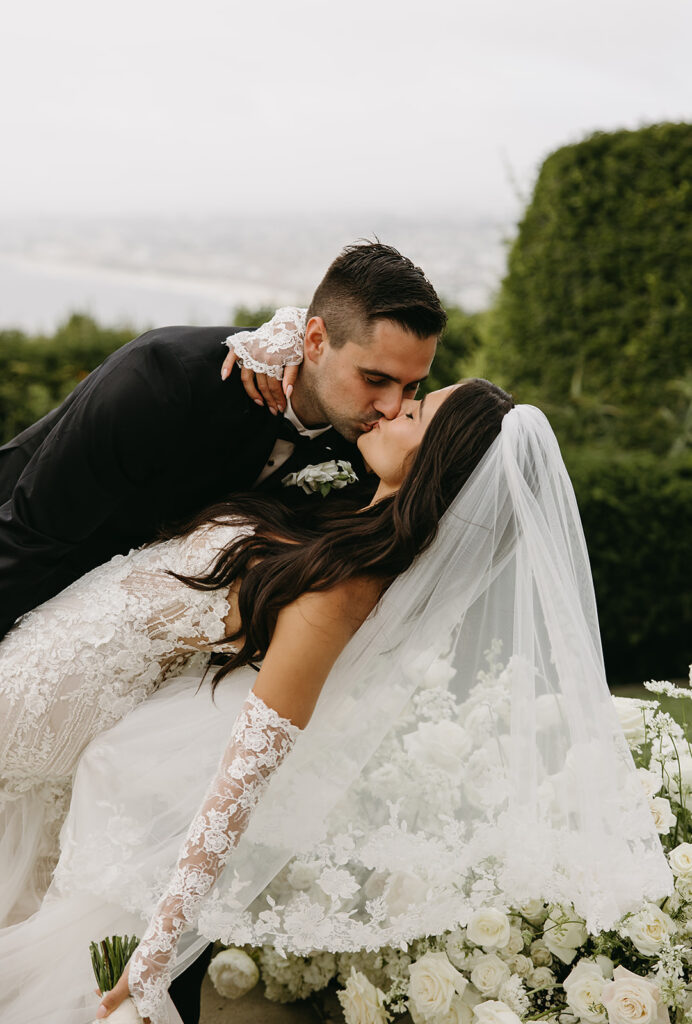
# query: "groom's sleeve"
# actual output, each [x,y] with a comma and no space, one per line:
[121,432]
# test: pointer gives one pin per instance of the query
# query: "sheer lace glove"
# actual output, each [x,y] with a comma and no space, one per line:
[260,740]
[272,346]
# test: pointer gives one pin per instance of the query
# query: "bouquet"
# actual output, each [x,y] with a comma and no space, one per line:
[109,958]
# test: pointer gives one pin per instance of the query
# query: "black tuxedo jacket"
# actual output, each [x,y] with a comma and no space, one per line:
[151,436]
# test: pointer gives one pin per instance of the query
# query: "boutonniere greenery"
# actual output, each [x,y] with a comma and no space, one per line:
[322,477]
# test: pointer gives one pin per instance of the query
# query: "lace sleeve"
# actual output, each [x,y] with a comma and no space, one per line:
[260,740]
[272,346]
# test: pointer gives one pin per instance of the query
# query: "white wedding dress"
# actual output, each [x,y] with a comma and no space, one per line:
[464,752]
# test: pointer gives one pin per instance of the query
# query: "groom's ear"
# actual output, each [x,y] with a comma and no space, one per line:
[316,339]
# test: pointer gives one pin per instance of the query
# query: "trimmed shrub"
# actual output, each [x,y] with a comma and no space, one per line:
[594,318]
[637,516]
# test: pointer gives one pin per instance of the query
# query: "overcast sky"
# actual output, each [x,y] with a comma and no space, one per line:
[221,106]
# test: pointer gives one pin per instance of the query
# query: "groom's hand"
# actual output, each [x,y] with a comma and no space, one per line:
[261,388]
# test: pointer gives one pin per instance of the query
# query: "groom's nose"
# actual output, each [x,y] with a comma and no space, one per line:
[389,404]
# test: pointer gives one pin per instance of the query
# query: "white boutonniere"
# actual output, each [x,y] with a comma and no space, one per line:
[322,477]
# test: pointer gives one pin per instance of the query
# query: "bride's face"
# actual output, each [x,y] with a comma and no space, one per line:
[388,444]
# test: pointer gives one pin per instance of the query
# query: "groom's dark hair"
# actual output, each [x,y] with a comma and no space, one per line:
[369,281]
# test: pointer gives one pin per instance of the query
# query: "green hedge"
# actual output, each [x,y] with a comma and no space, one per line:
[637,516]
[594,318]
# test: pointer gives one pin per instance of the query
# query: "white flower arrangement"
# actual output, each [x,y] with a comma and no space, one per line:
[535,962]
[323,477]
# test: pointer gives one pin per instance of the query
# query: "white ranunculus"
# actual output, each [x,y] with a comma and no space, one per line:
[519,964]
[442,745]
[540,954]
[583,987]
[489,928]
[492,1011]
[629,999]
[541,977]
[663,816]
[432,984]
[651,781]
[402,890]
[361,1002]
[563,933]
[233,973]
[489,973]
[648,929]
[681,860]
[631,714]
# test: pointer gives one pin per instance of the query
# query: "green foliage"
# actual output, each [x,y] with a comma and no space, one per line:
[637,516]
[458,345]
[36,374]
[245,316]
[109,959]
[594,318]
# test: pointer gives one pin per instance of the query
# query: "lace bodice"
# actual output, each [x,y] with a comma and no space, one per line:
[76,664]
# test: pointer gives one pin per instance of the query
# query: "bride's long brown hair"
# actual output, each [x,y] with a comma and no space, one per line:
[291,552]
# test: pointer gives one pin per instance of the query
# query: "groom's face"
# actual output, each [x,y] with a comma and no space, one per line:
[367,378]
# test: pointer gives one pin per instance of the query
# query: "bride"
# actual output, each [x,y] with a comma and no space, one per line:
[433,659]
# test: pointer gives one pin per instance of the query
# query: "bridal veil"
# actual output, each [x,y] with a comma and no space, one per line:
[464,752]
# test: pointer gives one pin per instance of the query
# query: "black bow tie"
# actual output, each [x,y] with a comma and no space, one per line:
[288,432]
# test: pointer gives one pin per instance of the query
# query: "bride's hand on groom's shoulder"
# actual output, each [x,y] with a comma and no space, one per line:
[117,995]
[262,388]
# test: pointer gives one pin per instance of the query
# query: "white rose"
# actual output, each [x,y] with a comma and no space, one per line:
[519,964]
[535,911]
[683,885]
[648,929]
[540,954]
[432,984]
[630,999]
[402,890]
[564,932]
[233,973]
[442,745]
[495,1012]
[664,819]
[489,928]
[541,977]
[651,781]
[489,973]
[681,860]
[361,1002]
[631,715]
[584,987]
[515,943]
[438,675]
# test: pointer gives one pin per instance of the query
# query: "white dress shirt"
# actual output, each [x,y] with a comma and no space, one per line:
[283,449]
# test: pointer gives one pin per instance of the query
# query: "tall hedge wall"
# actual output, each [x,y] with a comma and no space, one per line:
[594,317]
[637,516]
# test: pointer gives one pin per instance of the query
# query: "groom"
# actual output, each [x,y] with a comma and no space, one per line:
[153,435]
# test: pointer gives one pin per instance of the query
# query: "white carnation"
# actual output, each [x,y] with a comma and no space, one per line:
[648,929]
[433,982]
[681,860]
[489,973]
[233,973]
[563,933]
[629,999]
[584,987]
[489,928]
[361,1002]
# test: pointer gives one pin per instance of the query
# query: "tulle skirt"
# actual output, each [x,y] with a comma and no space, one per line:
[136,789]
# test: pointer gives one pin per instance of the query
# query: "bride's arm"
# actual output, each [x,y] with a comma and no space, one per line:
[309,636]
